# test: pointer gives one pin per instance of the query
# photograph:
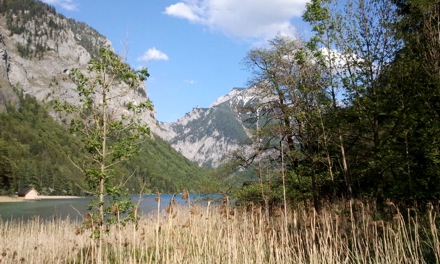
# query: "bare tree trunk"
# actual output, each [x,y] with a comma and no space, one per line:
[345,171]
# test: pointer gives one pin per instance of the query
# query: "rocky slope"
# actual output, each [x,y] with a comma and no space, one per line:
[37,50]
[208,136]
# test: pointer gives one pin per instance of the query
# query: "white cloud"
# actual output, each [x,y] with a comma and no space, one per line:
[183,11]
[254,19]
[153,54]
[65,4]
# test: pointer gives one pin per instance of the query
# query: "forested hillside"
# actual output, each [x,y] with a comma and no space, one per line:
[37,151]
[38,48]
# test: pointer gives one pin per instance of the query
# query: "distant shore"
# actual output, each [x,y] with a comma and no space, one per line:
[7,199]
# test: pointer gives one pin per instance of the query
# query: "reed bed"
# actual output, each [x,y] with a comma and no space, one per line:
[222,234]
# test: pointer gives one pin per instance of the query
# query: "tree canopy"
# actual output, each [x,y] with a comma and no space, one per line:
[354,110]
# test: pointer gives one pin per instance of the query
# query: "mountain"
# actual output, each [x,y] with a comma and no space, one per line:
[208,136]
[38,48]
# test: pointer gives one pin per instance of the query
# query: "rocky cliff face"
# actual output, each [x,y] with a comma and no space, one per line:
[7,94]
[208,136]
[37,50]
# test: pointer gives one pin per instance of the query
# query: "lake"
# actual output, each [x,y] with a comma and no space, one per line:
[74,208]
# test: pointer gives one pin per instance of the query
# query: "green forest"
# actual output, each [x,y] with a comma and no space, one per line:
[37,151]
[355,109]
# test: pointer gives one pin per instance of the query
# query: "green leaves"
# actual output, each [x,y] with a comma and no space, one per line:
[143,74]
[137,109]
[108,139]
[318,15]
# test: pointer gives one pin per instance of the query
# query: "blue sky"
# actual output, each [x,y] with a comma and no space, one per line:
[193,49]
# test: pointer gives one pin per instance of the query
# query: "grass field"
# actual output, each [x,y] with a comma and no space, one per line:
[346,232]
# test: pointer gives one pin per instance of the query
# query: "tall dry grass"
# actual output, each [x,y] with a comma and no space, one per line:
[340,233]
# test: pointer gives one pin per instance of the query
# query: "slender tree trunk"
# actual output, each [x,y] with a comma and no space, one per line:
[102,178]
[345,171]
[103,155]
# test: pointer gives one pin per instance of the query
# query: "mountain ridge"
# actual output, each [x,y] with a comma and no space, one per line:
[208,136]
[38,50]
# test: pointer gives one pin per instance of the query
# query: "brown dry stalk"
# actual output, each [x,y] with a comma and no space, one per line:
[340,233]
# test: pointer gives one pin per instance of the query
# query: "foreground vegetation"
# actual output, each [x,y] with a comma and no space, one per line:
[344,232]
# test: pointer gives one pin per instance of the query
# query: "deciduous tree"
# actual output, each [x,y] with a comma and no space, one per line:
[110,129]
[286,75]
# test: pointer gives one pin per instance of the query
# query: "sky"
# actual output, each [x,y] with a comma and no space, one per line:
[193,49]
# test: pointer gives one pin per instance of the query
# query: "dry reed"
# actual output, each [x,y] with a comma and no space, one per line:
[222,234]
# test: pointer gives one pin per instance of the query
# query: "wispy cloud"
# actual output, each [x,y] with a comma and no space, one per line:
[65,4]
[255,19]
[153,54]
[190,82]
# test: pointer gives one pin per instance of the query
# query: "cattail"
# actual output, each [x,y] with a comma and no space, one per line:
[195,210]
[115,209]
[187,223]
[157,199]
[126,243]
[170,209]
[223,210]
[185,195]
[78,231]
[171,205]
[226,200]
[173,201]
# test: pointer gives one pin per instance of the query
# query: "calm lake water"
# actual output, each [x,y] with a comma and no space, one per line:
[71,208]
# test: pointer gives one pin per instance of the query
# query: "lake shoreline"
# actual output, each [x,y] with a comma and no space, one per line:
[12,199]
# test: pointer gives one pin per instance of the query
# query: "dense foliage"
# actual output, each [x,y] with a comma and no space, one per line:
[37,151]
[354,111]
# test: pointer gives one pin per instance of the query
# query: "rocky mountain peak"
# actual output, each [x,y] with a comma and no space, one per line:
[38,47]
[208,136]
